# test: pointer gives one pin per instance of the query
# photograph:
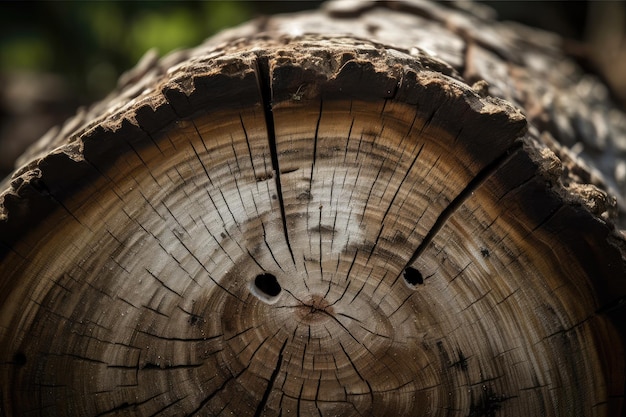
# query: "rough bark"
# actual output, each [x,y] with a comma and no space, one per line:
[367,210]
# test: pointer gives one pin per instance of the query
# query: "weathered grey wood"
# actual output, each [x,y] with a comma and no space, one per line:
[365,210]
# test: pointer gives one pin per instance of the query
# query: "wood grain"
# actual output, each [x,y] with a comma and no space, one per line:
[313,225]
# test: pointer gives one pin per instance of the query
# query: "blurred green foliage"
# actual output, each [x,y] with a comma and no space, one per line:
[92,42]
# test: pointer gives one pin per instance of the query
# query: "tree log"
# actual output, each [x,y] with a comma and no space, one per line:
[365,210]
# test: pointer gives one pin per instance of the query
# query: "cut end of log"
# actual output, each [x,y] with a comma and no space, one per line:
[314,226]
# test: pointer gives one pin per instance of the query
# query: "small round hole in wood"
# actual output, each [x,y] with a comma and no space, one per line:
[19,359]
[413,277]
[266,287]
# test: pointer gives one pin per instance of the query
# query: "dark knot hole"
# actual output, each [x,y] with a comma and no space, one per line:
[413,277]
[267,284]
[19,359]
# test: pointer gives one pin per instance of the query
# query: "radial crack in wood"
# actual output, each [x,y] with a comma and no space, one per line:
[307,225]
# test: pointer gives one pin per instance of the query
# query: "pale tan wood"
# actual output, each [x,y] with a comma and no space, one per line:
[309,225]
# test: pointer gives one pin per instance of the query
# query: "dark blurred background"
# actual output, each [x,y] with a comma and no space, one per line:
[58,55]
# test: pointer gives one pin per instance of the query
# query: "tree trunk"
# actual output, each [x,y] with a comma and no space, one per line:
[365,210]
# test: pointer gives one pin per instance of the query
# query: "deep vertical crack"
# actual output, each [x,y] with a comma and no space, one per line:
[270,383]
[317,129]
[266,95]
